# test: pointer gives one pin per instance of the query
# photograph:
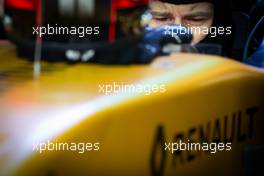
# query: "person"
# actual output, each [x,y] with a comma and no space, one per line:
[201,15]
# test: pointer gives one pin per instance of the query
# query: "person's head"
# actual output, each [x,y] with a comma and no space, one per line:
[197,14]
[191,15]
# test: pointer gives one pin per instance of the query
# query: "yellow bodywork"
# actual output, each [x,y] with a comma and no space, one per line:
[206,96]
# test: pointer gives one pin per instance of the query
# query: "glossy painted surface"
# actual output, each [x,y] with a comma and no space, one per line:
[65,104]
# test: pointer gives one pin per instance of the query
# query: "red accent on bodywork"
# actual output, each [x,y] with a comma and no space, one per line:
[22,4]
[113,16]
[123,4]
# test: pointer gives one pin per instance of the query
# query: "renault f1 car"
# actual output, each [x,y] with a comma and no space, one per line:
[181,114]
